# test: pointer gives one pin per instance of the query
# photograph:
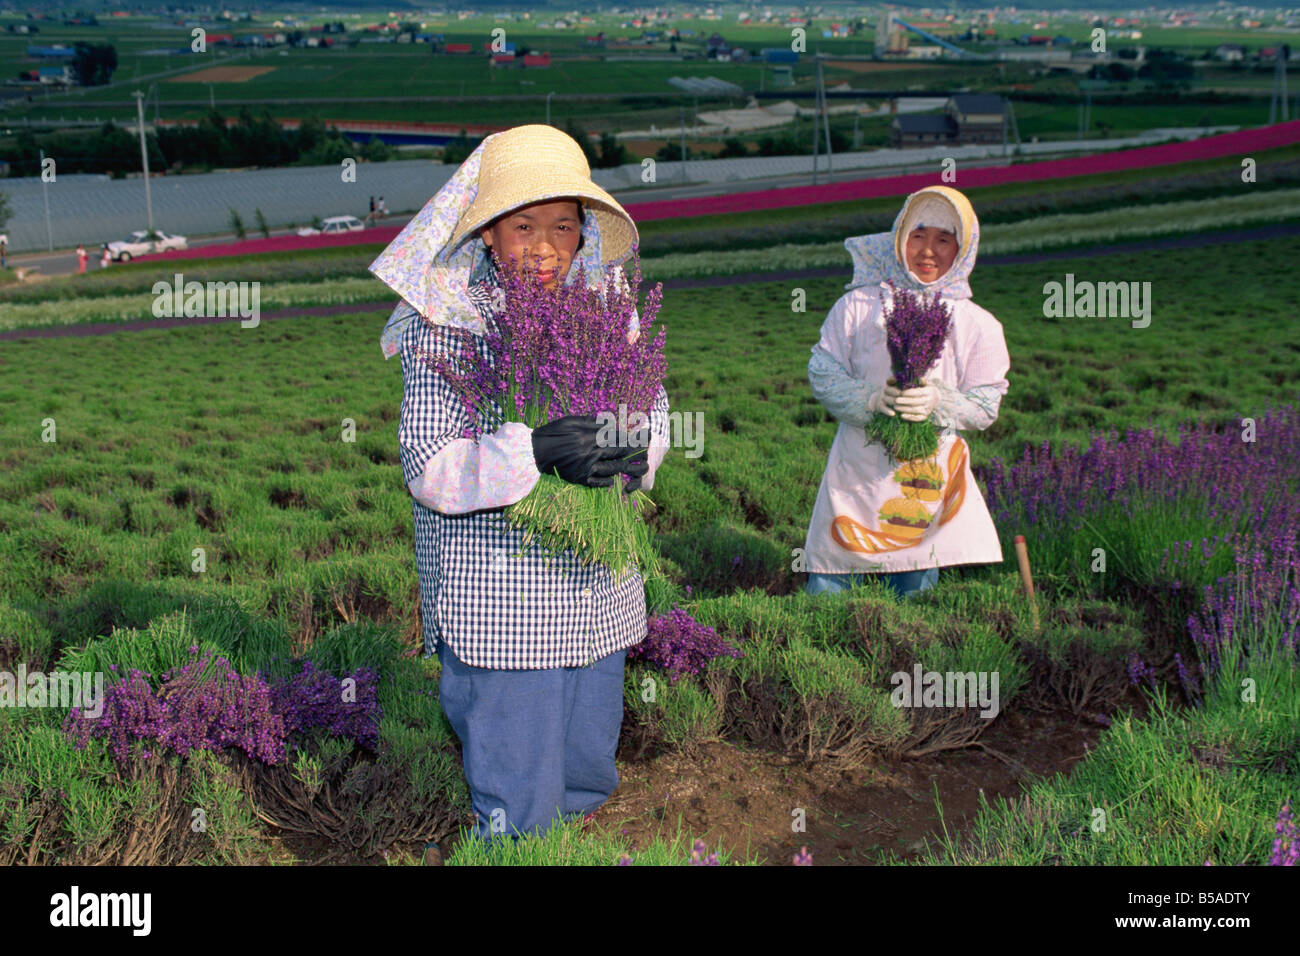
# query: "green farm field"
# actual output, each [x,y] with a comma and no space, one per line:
[232,440]
[398,71]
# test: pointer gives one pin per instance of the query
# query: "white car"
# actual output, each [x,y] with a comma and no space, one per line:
[139,244]
[333,226]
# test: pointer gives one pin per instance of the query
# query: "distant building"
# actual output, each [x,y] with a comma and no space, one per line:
[51,52]
[967,118]
[55,75]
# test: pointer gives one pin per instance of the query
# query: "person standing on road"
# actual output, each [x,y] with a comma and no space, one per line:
[105,258]
[370,216]
[4,248]
[382,209]
[873,515]
[81,260]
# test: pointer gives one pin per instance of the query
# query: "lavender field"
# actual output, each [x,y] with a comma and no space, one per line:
[276,685]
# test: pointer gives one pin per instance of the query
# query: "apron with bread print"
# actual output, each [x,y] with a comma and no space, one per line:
[928,496]
[875,514]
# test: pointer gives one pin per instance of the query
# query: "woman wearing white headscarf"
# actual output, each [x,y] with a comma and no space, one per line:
[532,647]
[874,515]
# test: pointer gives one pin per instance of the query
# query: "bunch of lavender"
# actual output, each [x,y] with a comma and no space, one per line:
[552,353]
[1286,848]
[680,644]
[316,699]
[915,329]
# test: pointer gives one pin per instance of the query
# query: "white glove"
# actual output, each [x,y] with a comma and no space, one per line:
[882,400]
[916,404]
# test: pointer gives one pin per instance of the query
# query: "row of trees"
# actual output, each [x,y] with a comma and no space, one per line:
[93,63]
[255,140]
[608,153]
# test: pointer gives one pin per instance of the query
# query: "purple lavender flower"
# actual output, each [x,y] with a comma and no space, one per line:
[915,327]
[701,857]
[206,705]
[803,857]
[551,353]
[680,644]
[1286,848]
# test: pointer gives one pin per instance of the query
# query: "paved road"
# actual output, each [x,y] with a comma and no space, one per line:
[1279,230]
[63,262]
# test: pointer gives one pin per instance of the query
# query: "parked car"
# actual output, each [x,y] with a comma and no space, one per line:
[139,244]
[333,226]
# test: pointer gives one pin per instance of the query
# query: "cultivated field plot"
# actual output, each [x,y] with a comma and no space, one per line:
[230,440]
[223,74]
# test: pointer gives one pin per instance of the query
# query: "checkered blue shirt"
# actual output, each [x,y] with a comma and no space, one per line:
[495,609]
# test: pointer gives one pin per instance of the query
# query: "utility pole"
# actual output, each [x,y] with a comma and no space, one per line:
[144,159]
[826,114]
[683,144]
[817,102]
[1278,104]
[45,191]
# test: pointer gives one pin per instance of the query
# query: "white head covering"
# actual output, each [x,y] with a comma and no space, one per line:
[878,258]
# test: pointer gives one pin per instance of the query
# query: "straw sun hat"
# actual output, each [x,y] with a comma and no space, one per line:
[535,163]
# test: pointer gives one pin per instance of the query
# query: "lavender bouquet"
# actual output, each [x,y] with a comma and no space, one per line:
[568,352]
[916,327]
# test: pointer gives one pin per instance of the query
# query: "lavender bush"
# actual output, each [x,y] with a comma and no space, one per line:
[680,644]
[915,327]
[206,705]
[1151,499]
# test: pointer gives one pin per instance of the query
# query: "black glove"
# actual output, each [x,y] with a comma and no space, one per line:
[568,447]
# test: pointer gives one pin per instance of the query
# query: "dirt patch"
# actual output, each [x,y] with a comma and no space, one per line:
[222,74]
[746,800]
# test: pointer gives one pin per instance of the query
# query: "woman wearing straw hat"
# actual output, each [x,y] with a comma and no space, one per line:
[532,649]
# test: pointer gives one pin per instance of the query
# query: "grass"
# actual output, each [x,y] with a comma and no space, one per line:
[1180,788]
[330,281]
[233,437]
[566,845]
